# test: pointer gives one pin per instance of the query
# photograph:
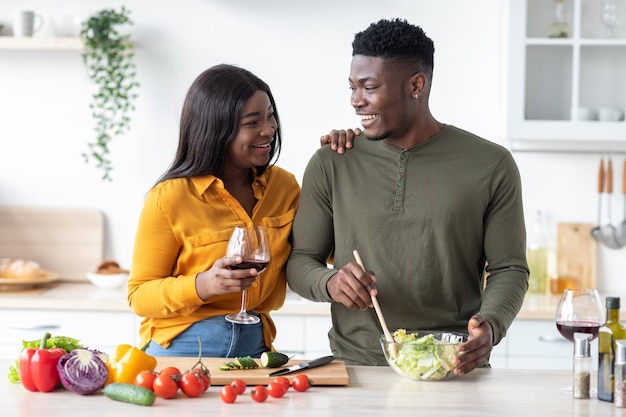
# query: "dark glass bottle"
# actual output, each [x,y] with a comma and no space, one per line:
[611,331]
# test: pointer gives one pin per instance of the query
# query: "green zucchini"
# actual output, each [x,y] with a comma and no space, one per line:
[129,393]
[273,359]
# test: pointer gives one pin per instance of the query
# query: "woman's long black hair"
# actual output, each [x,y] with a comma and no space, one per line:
[210,120]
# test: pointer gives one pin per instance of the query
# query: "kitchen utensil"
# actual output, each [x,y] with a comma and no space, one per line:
[609,233]
[379,313]
[596,232]
[304,365]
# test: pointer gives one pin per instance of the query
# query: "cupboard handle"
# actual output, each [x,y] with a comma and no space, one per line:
[35,326]
[551,338]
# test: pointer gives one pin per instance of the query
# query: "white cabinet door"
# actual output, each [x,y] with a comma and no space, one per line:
[303,336]
[537,344]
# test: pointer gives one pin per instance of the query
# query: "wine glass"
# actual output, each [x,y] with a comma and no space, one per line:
[580,310]
[609,18]
[251,243]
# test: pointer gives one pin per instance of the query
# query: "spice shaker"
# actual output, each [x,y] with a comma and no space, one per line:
[619,393]
[582,365]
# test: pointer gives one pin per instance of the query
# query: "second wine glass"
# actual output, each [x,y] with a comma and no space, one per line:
[252,245]
[580,310]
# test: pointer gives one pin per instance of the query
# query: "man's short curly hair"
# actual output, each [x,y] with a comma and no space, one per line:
[398,42]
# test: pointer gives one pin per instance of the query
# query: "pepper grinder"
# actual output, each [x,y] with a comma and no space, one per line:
[582,366]
[619,393]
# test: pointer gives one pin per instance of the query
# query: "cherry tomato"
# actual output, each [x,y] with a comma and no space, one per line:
[259,393]
[165,386]
[284,381]
[276,389]
[239,385]
[205,375]
[191,384]
[170,370]
[228,394]
[146,379]
[301,383]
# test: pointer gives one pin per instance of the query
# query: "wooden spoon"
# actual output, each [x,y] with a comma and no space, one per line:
[392,346]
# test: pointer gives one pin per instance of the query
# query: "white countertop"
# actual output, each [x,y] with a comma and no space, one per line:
[372,391]
[87,297]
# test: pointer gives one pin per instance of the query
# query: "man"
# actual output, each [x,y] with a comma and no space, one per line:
[429,207]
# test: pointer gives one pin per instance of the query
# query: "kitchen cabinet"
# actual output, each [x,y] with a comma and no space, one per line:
[537,344]
[304,336]
[41,44]
[96,329]
[551,80]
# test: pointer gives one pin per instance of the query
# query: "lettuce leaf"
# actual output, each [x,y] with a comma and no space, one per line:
[424,357]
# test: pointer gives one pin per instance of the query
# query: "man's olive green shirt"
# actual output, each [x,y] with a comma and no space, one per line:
[425,220]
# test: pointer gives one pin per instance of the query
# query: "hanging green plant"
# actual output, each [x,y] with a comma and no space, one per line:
[108,56]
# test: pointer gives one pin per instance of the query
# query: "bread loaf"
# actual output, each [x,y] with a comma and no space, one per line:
[110,267]
[20,268]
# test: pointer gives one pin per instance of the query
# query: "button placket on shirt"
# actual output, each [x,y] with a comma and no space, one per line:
[400,180]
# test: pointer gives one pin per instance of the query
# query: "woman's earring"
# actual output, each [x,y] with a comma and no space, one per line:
[416,96]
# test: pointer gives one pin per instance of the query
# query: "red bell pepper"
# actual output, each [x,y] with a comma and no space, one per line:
[38,367]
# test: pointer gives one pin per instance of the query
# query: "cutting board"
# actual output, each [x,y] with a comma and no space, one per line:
[67,241]
[334,373]
[577,253]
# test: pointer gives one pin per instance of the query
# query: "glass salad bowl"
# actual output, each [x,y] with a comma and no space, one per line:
[422,355]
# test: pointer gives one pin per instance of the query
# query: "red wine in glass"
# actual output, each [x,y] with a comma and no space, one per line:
[568,328]
[246,264]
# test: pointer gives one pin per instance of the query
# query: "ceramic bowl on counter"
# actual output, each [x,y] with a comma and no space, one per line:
[108,281]
[422,355]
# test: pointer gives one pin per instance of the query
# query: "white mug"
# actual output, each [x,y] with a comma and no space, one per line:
[586,113]
[25,23]
[610,114]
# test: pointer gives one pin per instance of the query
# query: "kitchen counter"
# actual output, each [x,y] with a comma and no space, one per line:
[86,297]
[372,391]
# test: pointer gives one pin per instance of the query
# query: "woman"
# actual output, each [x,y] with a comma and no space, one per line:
[222,175]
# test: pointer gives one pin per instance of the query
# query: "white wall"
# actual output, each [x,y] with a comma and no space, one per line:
[302,49]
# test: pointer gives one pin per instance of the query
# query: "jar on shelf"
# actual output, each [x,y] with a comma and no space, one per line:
[559,28]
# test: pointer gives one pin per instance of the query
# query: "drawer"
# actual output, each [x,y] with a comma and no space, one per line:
[537,338]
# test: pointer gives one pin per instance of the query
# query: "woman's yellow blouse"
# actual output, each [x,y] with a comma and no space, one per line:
[183,229]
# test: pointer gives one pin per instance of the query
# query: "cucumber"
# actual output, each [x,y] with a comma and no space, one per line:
[273,359]
[247,362]
[129,393]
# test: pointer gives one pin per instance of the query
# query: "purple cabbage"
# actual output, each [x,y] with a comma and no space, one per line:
[83,371]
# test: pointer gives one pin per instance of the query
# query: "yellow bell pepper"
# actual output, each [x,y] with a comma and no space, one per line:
[127,362]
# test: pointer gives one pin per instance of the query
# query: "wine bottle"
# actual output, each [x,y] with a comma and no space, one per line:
[611,331]
[537,256]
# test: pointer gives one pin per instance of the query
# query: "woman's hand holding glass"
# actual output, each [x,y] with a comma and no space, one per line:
[221,279]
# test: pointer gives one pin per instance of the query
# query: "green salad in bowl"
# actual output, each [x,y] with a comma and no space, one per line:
[426,355]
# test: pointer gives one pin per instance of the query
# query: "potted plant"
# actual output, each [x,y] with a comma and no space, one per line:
[108,56]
